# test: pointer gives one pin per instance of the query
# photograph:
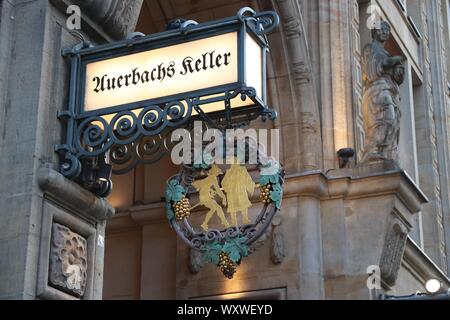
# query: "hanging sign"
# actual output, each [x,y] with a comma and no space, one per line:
[219,223]
[125,95]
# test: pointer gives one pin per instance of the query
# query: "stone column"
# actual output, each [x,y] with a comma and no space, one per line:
[336,86]
[52,238]
[309,237]
[307,152]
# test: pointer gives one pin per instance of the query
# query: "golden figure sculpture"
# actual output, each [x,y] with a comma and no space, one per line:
[208,188]
[238,184]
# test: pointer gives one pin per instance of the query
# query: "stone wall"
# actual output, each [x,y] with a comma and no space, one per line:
[39,207]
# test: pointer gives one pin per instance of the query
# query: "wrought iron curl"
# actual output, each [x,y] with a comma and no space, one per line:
[150,120]
[90,136]
[95,135]
[265,22]
[123,128]
[71,166]
[147,150]
[121,154]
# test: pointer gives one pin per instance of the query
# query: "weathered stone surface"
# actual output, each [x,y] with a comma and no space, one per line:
[195,261]
[372,220]
[277,252]
[392,254]
[306,114]
[71,194]
[86,257]
[382,75]
[68,260]
[33,87]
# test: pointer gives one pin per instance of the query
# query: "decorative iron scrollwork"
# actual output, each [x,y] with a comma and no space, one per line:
[142,136]
[95,135]
[265,22]
[129,138]
[146,150]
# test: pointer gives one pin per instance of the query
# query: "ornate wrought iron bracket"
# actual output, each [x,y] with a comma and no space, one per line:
[136,133]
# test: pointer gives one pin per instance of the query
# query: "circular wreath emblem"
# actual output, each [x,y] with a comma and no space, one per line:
[224,192]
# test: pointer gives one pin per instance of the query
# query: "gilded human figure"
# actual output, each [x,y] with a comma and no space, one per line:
[208,189]
[238,185]
[382,76]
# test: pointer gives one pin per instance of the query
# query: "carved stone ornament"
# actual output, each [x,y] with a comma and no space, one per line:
[68,261]
[382,75]
[391,257]
[277,245]
[195,261]
[274,233]
[117,17]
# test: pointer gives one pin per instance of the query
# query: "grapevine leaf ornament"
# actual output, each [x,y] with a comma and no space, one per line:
[270,173]
[271,168]
[265,180]
[277,195]
[211,252]
[236,248]
[174,192]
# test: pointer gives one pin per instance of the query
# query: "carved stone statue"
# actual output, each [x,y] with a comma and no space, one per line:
[382,75]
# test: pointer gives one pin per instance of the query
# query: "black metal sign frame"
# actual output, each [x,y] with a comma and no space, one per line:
[91,139]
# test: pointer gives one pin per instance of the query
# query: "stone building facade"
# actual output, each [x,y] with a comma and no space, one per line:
[59,241]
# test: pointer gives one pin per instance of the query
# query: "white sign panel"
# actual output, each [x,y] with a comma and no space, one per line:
[167,71]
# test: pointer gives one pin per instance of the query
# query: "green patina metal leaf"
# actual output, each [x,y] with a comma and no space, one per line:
[270,173]
[277,195]
[265,180]
[211,252]
[236,248]
[174,192]
[271,168]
